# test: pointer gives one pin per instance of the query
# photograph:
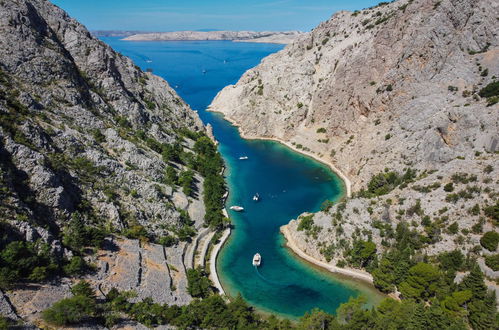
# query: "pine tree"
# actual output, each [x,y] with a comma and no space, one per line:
[474,281]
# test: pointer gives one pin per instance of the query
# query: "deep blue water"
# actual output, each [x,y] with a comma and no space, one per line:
[288,183]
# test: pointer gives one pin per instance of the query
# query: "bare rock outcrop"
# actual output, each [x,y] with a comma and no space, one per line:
[391,88]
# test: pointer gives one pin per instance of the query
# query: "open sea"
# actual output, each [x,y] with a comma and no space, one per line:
[287,182]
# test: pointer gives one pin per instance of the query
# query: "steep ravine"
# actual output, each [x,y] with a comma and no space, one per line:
[382,92]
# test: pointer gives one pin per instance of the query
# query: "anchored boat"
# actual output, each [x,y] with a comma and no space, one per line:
[243,157]
[237,208]
[257,259]
[256,197]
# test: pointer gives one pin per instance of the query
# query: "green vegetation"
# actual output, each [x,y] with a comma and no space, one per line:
[81,307]
[306,222]
[492,211]
[321,130]
[25,261]
[490,240]
[70,311]
[76,235]
[382,183]
[492,261]
[422,282]
[209,163]
[199,285]
[363,254]
[491,92]
[186,181]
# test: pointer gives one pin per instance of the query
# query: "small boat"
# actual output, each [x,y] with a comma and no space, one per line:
[257,259]
[204,71]
[237,208]
[148,61]
[243,157]
[256,197]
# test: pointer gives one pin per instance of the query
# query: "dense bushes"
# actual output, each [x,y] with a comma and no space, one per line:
[210,164]
[383,183]
[490,240]
[492,261]
[70,311]
[362,253]
[25,261]
[422,282]
[450,307]
[199,285]
[491,92]
[306,222]
[76,235]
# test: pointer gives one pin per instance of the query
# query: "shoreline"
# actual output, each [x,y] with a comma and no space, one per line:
[346,181]
[290,243]
[213,258]
[348,272]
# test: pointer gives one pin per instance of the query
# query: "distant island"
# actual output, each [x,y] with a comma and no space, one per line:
[114,33]
[279,37]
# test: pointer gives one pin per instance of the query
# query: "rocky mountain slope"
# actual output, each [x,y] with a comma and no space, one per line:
[402,100]
[280,37]
[86,139]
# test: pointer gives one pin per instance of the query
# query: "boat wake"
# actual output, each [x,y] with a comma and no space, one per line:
[267,280]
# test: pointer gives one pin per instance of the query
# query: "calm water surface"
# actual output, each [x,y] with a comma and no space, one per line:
[288,183]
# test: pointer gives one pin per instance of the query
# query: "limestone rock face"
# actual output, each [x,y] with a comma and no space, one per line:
[390,87]
[342,88]
[71,109]
[82,130]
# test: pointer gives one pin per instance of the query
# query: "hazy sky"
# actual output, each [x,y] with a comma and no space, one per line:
[168,15]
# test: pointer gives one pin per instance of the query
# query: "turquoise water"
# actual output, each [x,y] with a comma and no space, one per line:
[288,182]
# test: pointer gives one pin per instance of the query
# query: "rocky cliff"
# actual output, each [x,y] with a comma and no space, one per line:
[86,135]
[402,99]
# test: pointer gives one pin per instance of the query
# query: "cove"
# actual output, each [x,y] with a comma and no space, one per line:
[289,183]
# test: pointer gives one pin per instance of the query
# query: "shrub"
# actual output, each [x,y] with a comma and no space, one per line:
[490,240]
[490,90]
[98,136]
[321,130]
[306,222]
[167,240]
[70,311]
[84,289]
[136,232]
[492,262]
[199,285]
[76,266]
[449,187]
[453,228]
[492,211]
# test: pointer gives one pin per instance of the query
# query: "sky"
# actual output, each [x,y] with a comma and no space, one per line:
[168,15]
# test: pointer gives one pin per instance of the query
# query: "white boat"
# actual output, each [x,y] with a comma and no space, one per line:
[256,197]
[257,259]
[243,157]
[237,208]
